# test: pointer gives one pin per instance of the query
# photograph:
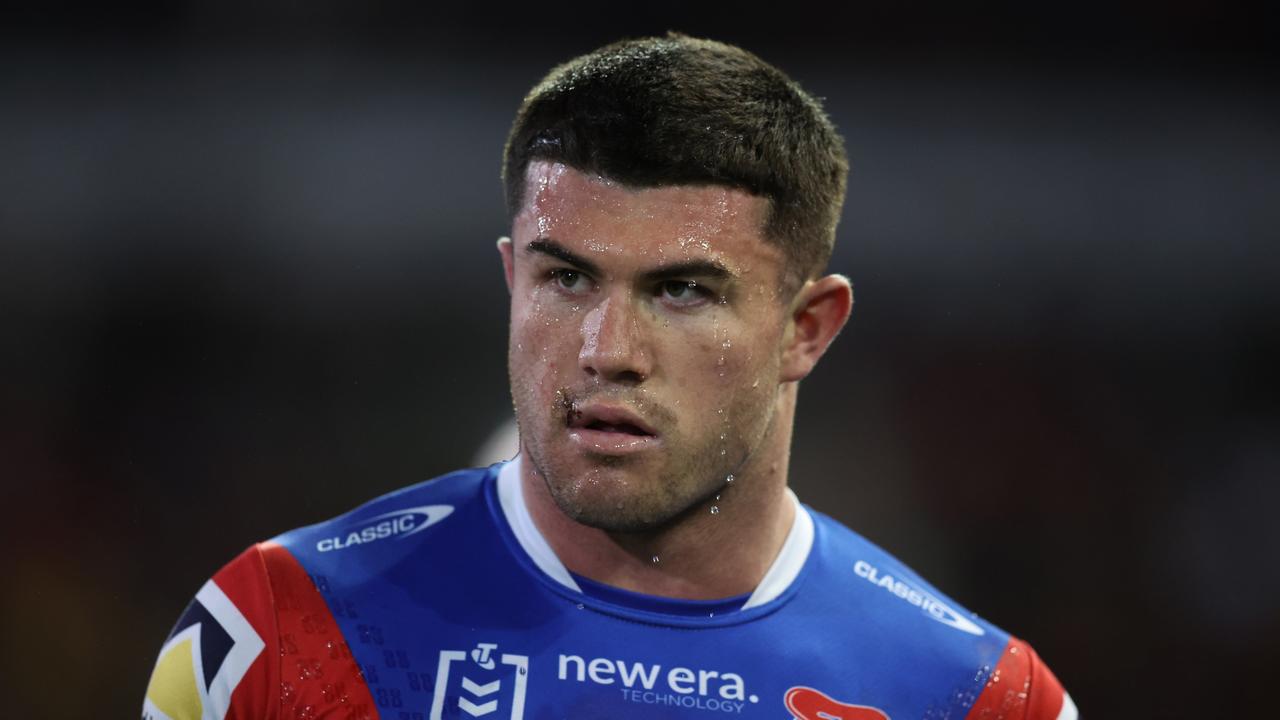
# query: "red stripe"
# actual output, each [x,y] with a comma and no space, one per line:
[1019,688]
[244,582]
[318,676]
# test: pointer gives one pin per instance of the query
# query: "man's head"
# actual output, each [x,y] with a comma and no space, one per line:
[674,201]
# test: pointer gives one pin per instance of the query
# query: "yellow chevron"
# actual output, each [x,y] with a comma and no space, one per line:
[173,687]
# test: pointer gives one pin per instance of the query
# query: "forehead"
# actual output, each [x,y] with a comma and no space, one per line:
[603,216]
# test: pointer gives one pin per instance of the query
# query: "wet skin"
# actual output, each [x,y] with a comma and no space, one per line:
[653,356]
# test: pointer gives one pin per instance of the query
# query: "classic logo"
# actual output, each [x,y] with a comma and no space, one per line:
[399,523]
[805,703]
[932,606]
[482,687]
[652,684]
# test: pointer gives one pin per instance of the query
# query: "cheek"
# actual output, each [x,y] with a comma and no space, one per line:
[744,377]
[540,341]
[723,379]
[709,361]
[737,358]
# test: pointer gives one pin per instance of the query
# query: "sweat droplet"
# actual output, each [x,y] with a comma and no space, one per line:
[655,559]
[715,509]
[729,479]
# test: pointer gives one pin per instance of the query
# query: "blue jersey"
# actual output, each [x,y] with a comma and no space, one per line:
[442,600]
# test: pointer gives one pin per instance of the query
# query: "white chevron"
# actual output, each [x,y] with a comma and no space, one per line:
[480,690]
[475,710]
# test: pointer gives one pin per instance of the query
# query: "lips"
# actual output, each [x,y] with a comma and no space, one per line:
[615,430]
[609,419]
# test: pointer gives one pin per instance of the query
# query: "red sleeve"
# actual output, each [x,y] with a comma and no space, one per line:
[318,676]
[1021,687]
[220,660]
[245,582]
[258,642]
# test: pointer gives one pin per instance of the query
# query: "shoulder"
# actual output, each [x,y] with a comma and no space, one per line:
[1022,686]
[918,620]
[257,639]
[259,632]
[218,654]
[398,515]
[884,584]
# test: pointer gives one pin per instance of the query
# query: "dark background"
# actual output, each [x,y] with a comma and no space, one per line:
[247,280]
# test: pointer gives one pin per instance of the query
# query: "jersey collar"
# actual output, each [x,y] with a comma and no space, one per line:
[786,566]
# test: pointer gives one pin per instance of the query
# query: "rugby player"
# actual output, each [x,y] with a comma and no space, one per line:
[673,207]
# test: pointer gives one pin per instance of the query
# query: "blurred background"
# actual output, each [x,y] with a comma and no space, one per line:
[247,281]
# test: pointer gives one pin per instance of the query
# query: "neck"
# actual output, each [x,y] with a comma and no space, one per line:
[702,555]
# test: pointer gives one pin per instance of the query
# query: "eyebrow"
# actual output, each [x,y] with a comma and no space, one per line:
[688,268]
[547,246]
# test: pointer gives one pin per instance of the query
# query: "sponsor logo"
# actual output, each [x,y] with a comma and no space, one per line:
[400,523]
[930,605]
[489,684]
[653,684]
[805,703]
[484,683]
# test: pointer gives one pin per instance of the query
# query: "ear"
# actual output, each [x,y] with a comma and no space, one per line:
[818,313]
[507,250]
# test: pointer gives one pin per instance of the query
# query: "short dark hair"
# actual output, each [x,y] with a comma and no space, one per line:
[678,110]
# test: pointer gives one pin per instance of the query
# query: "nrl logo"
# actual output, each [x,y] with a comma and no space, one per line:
[481,687]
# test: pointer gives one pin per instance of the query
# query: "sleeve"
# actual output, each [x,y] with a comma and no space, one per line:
[258,642]
[221,658]
[1021,687]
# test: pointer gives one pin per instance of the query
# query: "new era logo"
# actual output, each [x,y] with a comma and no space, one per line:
[482,687]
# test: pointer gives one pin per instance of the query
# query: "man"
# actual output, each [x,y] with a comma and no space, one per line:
[674,204]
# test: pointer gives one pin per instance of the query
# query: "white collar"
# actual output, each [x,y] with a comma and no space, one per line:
[786,566]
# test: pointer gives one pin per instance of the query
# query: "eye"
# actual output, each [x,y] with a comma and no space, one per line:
[683,293]
[570,281]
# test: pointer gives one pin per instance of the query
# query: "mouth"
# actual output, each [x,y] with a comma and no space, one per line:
[608,419]
[609,429]
[619,428]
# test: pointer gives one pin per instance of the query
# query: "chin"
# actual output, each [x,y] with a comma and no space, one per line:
[612,519]
[617,504]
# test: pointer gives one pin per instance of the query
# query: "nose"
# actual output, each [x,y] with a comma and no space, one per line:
[613,347]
